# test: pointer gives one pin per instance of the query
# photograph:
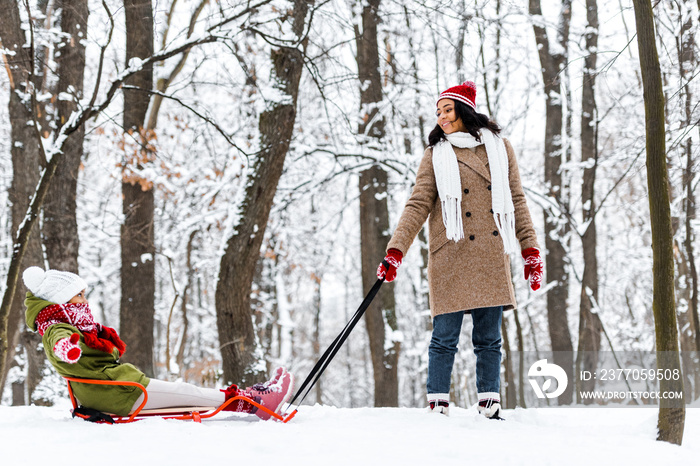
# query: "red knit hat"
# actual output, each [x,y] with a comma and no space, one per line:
[465,92]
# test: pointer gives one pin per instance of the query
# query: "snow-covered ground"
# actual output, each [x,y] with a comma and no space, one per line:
[321,435]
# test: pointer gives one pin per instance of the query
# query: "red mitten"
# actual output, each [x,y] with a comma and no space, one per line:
[108,333]
[533,267]
[67,349]
[393,258]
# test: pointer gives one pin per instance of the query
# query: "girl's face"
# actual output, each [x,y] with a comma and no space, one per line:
[447,117]
[79,298]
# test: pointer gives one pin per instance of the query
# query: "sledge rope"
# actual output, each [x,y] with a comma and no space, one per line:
[330,353]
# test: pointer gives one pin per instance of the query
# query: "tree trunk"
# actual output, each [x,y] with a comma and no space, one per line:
[237,269]
[459,48]
[685,323]
[521,359]
[60,229]
[60,226]
[687,64]
[27,160]
[18,394]
[374,215]
[35,361]
[589,321]
[317,333]
[493,81]
[180,356]
[29,342]
[555,233]
[672,412]
[511,398]
[420,123]
[137,309]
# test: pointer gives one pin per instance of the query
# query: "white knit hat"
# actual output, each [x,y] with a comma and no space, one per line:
[53,285]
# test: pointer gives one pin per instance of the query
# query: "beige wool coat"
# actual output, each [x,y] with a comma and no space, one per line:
[475,271]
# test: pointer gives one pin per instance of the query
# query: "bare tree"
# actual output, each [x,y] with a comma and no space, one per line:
[137,308]
[164,82]
[34,358]
[26,152]
[316,343]
[589,321]
[237,269]
[60,227]
[511,399]
[374,213]
[521,358]
[153,107]
[688,273]
[185,303]
[552,60]
[672,412]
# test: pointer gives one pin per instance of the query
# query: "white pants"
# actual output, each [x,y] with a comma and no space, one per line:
[163,394]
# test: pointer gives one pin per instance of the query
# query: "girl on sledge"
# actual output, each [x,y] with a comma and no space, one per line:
[77,346]
[468,185]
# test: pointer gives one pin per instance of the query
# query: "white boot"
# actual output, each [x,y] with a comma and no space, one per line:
[490,405]
[439,403]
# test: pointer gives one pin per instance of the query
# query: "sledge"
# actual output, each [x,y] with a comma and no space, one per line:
[197,413]
[189,413]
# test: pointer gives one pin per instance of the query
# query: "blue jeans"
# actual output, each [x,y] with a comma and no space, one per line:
[486,338]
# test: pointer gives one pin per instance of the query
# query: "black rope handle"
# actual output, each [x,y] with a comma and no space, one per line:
[334,347]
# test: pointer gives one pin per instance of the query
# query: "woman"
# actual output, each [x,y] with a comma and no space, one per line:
[77,346]
[469,186]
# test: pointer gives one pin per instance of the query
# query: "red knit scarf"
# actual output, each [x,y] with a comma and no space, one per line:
[96,336]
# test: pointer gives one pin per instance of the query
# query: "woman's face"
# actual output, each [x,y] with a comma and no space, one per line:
[447,117]
[79,298]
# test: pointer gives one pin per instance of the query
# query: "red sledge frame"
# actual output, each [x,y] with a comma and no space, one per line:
[195,414]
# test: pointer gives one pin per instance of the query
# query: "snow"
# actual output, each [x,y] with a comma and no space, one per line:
[284,321]
[315,228]
[323,435]
[135,63]
[65,96]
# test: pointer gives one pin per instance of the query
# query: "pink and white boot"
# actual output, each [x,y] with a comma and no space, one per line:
[272,394]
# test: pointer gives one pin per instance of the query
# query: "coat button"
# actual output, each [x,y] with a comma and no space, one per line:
[471,237]
[495,232]
[488,187]
[468,214]
[466,191]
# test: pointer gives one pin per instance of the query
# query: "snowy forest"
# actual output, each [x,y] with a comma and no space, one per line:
[225,176]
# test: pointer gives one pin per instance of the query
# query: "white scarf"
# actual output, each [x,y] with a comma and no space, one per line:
[450,187]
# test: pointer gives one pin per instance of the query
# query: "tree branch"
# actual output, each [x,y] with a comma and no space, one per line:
[192,109]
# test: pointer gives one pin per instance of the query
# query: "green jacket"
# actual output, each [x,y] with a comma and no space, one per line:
[93,364]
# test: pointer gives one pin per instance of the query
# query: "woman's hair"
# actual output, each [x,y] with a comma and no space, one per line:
[473,121]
